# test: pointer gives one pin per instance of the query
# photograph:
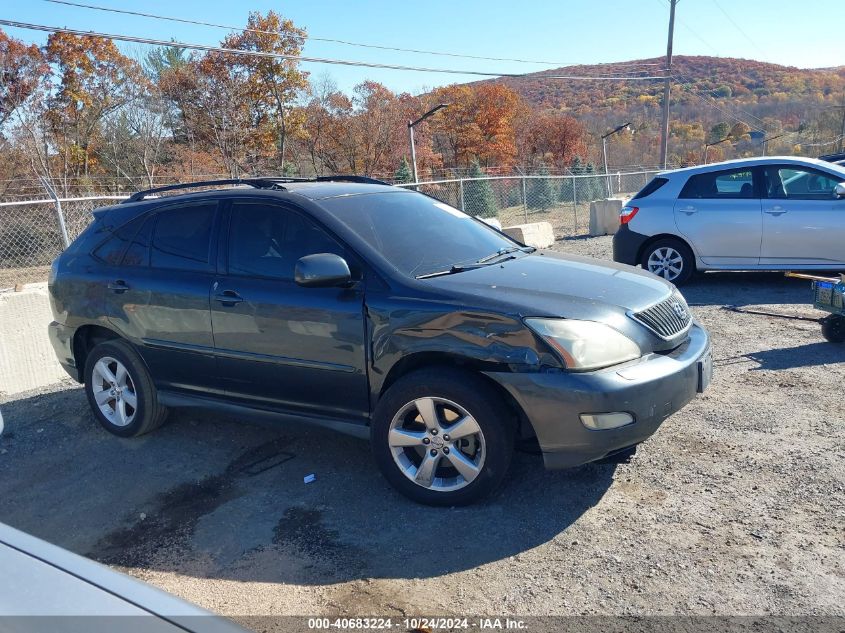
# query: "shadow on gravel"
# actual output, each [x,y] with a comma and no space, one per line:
[808,355]
[218,497]
[746,288]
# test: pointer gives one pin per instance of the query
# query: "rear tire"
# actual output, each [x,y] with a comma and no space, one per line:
[413,447]
[670,259]
[833,328]
[120,391]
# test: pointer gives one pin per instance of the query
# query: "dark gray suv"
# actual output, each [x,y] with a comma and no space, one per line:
[377,311]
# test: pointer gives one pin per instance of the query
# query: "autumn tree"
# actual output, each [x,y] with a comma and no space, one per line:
[552,138]
[94,80]
[479,124]
[378,124]
[496,107]
[21,72]
[272,83]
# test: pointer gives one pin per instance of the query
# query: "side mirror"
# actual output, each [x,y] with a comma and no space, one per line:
[839,191]
[323,270]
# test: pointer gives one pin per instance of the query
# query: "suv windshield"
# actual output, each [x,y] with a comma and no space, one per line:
[417,234]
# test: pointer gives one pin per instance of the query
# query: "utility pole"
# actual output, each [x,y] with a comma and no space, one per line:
[664,137]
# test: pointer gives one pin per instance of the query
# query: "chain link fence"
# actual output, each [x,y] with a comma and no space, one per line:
[32,232]
[563,201]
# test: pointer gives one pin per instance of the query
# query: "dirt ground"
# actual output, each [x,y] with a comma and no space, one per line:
[10,277]
[735,507]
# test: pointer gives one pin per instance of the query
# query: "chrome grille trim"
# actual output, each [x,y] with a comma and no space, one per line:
[664,319]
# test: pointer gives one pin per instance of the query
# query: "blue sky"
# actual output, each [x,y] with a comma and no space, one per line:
[806,34]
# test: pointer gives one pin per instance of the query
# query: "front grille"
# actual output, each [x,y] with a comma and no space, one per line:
[668,318]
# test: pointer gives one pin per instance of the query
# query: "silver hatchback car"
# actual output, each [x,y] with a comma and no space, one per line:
[775,213]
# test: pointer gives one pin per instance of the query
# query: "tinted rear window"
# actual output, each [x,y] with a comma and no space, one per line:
[182,238]
[727,184]
[111,251]
[650,188]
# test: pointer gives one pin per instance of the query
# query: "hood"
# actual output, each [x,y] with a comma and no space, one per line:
[551,284]
[547,283]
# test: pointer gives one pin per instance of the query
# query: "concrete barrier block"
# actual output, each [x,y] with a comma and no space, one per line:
[604,216]
[27,360]
[537,234]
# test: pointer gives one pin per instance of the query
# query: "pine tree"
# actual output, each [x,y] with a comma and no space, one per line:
[541,191]
[595,185]
[403,174]
[581,184]
[478,195]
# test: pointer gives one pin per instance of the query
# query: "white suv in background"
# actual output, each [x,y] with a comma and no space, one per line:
[775,213]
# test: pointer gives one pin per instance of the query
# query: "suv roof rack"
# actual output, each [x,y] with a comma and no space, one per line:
[264,182]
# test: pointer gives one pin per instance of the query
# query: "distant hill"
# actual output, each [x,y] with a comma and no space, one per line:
[737,81]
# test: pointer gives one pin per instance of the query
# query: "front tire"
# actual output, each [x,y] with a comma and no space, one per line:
[669,258]
[120,391]
[442,437]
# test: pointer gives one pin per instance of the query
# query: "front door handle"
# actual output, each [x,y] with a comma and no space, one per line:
[229,298]
[118,285]
[689,209]
[775,210]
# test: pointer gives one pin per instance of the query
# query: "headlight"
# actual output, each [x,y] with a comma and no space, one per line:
[585,344]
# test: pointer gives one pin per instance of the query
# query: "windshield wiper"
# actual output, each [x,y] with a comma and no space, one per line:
[505,251]
[455,268]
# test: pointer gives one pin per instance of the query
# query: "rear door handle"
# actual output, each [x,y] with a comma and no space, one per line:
[118,285]
[229,298]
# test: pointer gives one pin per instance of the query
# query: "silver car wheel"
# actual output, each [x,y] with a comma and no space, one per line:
[437,444]
[666,262]
[114,391]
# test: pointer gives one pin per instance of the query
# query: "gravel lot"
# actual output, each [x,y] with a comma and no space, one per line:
[736,506]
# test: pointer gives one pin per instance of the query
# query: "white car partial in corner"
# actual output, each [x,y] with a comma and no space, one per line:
[772,213]
[48,588]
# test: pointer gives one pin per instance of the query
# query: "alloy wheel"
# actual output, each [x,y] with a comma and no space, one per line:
[666,262]
[114,391]
[437,444]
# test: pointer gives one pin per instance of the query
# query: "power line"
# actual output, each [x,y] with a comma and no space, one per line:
[709,100]
[738,27]
[325,39]
[730,115]
[692,31]
[301,58]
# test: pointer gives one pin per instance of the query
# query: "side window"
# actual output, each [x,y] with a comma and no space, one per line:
[267,240]
[650,188]
[112,249]
[138,253]
[799,183]
[727,184]
[182,238]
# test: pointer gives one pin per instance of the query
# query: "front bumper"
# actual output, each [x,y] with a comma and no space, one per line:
[651,390]
[61,337]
